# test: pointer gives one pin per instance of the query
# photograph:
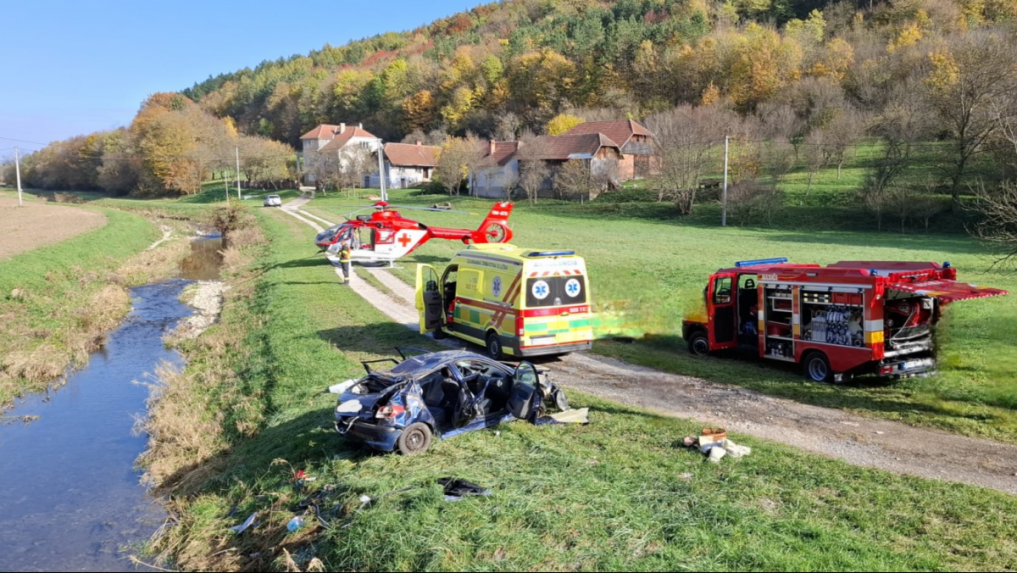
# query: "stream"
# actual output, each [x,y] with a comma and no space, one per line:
[70,496]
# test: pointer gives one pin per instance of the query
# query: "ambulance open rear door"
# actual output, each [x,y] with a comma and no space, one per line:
[429,304]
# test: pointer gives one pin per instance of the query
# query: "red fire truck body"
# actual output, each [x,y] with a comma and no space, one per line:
[854,317]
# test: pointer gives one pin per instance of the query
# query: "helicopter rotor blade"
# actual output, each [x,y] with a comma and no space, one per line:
[355,211]
[414,208]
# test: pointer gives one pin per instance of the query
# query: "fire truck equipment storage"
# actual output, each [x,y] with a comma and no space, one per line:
[853,317]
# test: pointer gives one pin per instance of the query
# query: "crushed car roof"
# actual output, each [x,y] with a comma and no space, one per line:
[423,363]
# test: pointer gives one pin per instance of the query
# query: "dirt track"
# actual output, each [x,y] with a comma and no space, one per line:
[862,441]
[37,224]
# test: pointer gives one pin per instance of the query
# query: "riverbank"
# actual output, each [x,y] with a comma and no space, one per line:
[58,302]
[247,415]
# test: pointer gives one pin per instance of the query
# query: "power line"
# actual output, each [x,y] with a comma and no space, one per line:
[24,141]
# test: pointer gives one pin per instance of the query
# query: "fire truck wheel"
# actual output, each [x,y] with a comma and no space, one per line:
[699,344]
[817,367]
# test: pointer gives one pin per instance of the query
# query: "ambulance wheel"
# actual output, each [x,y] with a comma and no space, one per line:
[699,344]
[817,367]
[494,346]
[414,440]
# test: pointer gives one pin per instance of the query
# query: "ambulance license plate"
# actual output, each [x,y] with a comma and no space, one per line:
[540,340]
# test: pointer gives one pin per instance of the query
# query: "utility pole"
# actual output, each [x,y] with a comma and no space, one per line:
[238,174]
[17,171]
[381,171]
[723,200]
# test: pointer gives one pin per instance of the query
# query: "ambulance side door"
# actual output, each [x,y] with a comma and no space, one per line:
[720,304]
[429,300]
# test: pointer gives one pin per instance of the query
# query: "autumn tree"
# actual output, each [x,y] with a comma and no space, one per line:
[998,226]
[534,171]
[458,155]
[562,123]
[966,81]
[687,137]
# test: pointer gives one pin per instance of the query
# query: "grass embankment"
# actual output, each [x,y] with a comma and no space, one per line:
[58,302]
[232,430]
[643,257]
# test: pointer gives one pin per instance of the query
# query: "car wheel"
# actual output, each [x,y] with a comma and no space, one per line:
[817,367]
[494,346]
[699,344]
[414,440]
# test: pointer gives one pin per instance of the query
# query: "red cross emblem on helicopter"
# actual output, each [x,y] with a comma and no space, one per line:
[404,239]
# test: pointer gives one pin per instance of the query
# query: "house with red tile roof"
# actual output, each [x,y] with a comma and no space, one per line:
[329,143]
[500,172]
[406,165]
[638,145]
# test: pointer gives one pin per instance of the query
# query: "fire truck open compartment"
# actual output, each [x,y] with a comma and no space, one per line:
[844,319]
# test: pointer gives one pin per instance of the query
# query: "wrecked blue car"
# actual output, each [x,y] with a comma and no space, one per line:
[437,395]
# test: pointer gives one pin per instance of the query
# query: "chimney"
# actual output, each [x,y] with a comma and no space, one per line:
[492,147]
[419,142]
[342,128]
[360,125]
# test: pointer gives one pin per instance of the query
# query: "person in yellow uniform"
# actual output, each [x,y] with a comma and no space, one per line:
[344,260]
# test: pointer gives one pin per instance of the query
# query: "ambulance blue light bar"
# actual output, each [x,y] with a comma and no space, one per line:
[550,253]
[741,264]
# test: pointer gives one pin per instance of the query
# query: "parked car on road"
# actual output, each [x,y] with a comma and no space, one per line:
[437,395]
[273,201]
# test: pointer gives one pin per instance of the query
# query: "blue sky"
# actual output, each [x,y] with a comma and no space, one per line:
[74,67]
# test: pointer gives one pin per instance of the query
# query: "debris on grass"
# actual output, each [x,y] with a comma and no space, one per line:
[456,489]
[238,529]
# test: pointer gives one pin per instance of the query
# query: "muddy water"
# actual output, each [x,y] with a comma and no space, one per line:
[70,498]
[204,261]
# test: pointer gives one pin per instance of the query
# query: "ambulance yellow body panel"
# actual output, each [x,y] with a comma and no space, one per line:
[516,302]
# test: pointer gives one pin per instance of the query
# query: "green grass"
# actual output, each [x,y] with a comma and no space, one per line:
[657,263]
[51,325]
[614,495]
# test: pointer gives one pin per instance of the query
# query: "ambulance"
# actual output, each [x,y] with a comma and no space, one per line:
[516,302]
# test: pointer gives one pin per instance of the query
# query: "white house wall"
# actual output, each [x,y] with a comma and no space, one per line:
[491,181]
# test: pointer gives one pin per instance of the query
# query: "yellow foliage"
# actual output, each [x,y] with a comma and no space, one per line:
[945,71]
[909,35]
[764,63]
[711,95]
[562,123]
[837,58]
[419,110]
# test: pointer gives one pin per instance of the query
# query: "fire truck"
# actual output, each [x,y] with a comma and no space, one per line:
[837,321]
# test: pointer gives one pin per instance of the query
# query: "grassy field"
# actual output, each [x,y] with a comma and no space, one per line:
[615,495]
[643,256]
[58,301]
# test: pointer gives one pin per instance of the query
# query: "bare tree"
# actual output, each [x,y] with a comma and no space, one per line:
[687,137]
[533,169]
[507,126]
[998,227]
[458,156]
[509,182]
[903,123]
[978,70]
[816,155]
[573,179]
[355,162]
[845,129]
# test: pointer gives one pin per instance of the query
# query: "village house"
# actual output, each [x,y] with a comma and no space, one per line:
[325,142]
[638,145]
[499,170]
[406,165]
[600,154]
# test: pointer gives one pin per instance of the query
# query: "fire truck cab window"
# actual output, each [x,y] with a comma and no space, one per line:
[748,298]
[722,290]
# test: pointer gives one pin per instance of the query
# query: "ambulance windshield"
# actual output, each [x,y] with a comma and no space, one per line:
[555,291]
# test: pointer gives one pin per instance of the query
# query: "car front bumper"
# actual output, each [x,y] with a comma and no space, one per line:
[379,437]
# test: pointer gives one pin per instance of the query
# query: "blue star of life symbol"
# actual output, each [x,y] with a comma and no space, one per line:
[572,287]
[541,290]
[497,286]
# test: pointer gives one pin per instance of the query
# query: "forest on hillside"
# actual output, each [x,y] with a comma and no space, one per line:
[795,81]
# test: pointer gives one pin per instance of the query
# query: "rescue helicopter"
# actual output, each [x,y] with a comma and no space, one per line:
[385,235]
